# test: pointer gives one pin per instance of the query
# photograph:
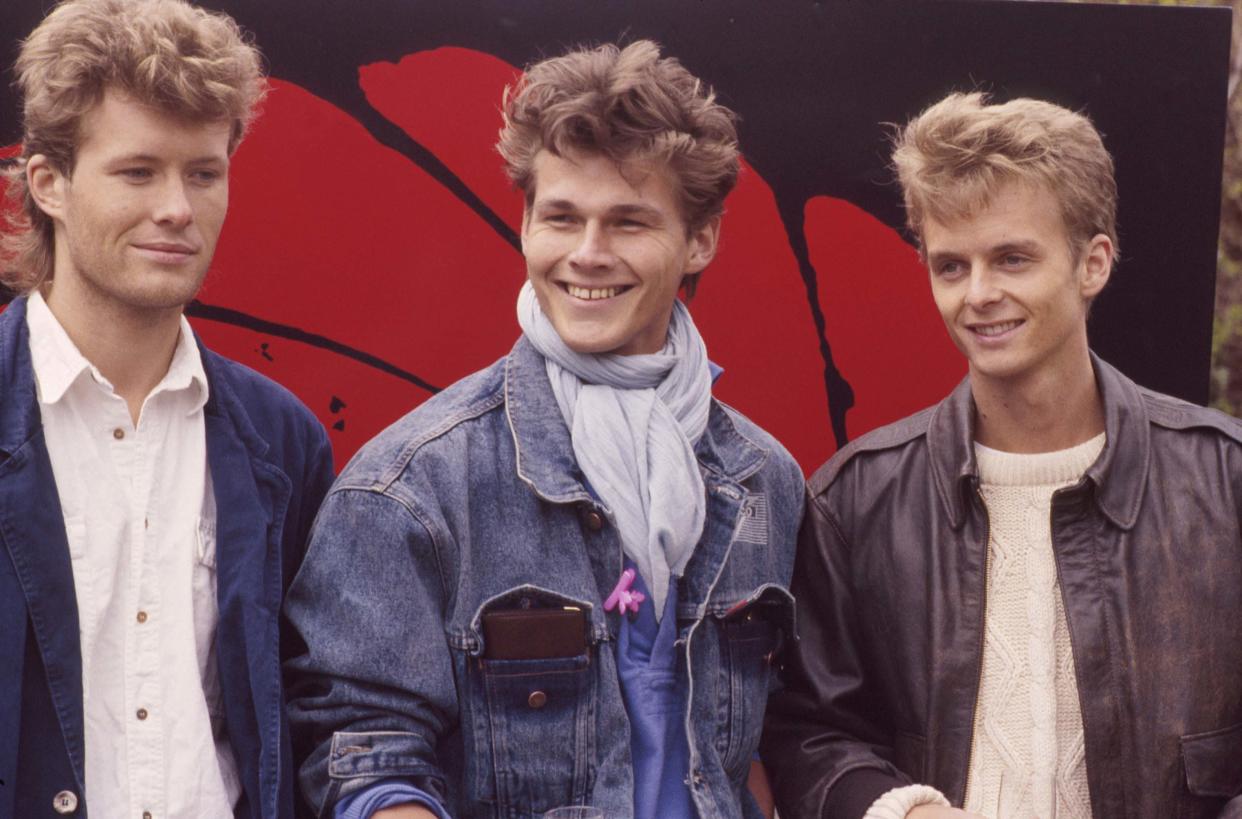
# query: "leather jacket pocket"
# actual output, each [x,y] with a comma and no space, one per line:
[750,642]
[1213,762]
[537,724]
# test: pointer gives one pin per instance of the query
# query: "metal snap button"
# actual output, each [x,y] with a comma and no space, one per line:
[594,520]
[65,802]
[537,699]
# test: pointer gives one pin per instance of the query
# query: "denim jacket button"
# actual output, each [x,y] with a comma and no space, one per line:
[594,520]
[537,699]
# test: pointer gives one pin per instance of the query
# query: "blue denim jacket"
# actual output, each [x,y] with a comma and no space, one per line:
[473,503]
[270,463]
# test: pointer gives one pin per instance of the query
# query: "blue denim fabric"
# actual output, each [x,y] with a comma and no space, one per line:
[270,464]
[472,503]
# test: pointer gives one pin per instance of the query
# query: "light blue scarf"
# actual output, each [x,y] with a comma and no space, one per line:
[633,420]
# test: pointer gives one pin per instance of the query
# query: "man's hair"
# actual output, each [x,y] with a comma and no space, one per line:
[176,58]
[626,104]
[954,157]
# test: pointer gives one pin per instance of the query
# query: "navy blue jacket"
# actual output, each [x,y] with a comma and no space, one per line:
[271,465]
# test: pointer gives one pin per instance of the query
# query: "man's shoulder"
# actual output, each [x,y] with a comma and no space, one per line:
[777,456]
[446,414]
[890,441]
[1174,414]
[267,403]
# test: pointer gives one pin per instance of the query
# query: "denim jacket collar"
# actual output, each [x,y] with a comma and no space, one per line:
[1119,475]
[545,454]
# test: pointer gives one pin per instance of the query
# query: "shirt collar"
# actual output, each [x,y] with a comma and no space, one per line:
[58,363]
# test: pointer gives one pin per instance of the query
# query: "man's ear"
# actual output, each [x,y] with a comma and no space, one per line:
[46,184]
[703,243]
[1097,266]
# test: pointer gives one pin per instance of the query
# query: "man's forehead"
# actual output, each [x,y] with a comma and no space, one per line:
[122,124]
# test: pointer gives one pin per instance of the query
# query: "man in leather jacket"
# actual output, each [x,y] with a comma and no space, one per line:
[1025,600]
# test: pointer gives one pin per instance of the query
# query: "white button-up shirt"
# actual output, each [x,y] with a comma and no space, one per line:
[140,519]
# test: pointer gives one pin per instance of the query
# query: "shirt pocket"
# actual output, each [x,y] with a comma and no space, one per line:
[533,722]
[84,589]
[206,613]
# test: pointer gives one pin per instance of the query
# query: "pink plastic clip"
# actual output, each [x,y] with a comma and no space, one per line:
[621,597]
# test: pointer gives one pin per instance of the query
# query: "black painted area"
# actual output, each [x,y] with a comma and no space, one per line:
[816,81]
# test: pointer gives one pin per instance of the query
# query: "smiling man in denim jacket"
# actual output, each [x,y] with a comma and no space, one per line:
[561,580]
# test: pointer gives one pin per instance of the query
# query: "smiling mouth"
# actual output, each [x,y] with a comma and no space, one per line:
[991,330]
[594,293]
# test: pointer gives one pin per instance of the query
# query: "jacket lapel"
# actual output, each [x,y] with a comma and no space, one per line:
[251,498]
[32,529]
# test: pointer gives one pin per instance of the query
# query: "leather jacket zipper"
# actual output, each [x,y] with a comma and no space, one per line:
[983,626]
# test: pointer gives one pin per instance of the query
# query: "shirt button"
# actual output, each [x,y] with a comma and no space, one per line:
[118,433]
[537,699]
[142,617]
[142,713]
[146,814]
[65,802]
[594,520]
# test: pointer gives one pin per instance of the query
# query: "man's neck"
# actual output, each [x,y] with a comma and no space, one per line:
[1045,412]
[131,348]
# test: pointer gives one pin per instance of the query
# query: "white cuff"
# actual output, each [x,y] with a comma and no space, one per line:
[899,801]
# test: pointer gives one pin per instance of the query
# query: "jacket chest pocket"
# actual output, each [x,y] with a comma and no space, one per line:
[539,719]
[1212,763]
[749,644]
[533,704]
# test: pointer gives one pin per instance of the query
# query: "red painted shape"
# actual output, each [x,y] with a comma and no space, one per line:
[448,100]
[887,338]
[335,234]
[752,310]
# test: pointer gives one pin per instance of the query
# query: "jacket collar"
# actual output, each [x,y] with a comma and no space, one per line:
[1119,475]
[19,406]
[545,453]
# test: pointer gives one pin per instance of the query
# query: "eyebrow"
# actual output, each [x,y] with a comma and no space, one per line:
[1027,247]
[616,211]
[152,159]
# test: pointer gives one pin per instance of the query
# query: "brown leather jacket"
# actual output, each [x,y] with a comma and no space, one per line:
[881,686]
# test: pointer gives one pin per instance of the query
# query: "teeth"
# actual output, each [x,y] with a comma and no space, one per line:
[588,293]
[996,329]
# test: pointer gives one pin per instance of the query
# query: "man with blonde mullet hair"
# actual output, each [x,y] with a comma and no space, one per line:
[560,581]
[155,498]
[1025,600]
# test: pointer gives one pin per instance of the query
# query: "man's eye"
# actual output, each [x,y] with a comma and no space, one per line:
[205,177]
[1014,260]
[136,174]
[949,269]
[632,224]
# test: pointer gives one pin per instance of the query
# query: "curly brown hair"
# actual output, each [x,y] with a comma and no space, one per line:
[179,59]
[627,104]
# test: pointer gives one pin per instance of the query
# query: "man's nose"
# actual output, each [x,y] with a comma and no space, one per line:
[173,206]
[982,289]
[593,249]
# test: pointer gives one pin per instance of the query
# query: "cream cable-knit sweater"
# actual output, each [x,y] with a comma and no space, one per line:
[1027,758]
